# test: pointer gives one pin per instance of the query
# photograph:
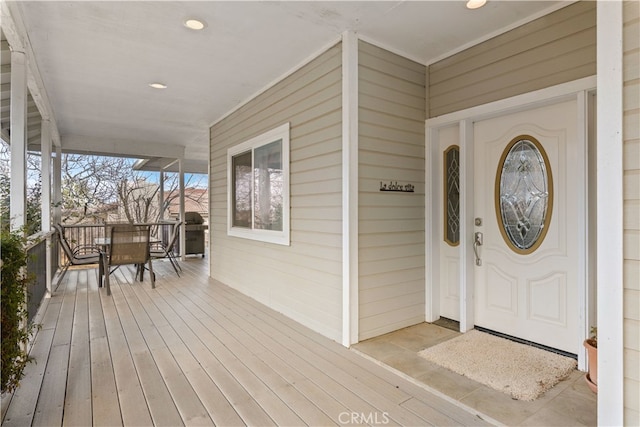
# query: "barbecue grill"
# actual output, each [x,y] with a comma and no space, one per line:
[194,233]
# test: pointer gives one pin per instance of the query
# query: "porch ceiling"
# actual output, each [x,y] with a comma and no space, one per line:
[96,59]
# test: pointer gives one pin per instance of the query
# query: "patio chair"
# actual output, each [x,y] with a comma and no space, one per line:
[128,244]
[79,255]
[160,250]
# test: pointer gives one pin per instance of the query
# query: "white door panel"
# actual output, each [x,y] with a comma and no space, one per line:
[530,294]
[449,250]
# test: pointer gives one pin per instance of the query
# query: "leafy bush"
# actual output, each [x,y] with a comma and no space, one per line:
[13,297]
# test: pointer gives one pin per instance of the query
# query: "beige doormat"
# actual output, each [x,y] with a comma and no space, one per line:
[521,371]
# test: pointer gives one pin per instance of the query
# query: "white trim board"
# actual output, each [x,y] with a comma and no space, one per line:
[350,272]
[609,182]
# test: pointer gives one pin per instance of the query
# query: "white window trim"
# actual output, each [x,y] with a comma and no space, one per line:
[269,236]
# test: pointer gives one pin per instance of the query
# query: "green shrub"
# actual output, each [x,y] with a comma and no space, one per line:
[13,288]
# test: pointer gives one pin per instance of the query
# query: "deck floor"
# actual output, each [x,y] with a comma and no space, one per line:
[196,352]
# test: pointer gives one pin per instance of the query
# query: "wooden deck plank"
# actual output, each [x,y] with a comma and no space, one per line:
[77,408]
[104,393]
[280,381]
[256,415]
[330,385]
[23,403]
[194,351]
[50,406]
[161,406]
[205,383]
[184,396]
[133,404]
[402,397]
[444,407]
[217,406]
[326,361]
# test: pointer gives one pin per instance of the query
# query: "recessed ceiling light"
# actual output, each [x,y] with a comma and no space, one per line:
[158,85]
[194,24]
[475,4]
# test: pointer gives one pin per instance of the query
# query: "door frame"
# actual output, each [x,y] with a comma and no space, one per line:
[580,90]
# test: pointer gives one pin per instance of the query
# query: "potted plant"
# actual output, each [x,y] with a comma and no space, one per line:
[591,344]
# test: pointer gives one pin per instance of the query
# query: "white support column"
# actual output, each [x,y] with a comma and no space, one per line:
[18,111]
[161,204]
[610,226]
[161,201]
[350,275]
[183,237]
[432,218]
[57,186]
[45,172]
[45,151]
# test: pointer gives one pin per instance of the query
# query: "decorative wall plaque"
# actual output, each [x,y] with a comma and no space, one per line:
[394,186]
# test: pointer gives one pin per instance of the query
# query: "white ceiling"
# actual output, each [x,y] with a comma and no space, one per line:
[97,58]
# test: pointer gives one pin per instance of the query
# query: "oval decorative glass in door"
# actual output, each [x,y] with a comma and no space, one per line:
[524,194]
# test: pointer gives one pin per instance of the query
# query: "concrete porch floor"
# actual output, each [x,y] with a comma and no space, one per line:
[569,403]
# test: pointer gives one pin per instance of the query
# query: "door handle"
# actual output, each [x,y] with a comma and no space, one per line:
[477,242]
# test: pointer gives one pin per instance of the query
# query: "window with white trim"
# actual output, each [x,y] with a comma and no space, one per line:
[258,187]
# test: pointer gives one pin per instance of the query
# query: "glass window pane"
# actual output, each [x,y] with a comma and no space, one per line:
[242,190]
[524,194]
[452,195]
[268,175]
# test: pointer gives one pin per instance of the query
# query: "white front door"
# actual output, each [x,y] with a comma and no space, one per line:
[528,183]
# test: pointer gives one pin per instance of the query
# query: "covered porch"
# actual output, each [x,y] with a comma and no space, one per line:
[196,352]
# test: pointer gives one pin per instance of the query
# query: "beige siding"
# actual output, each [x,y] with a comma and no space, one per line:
[304,280]
[554,49]
[632,212]
[391,225]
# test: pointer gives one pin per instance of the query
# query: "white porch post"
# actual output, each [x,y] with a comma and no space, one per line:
[45,171]
[161,203]
[610,226]
[57,186]
[18,109]
[45,151]
[350,316]
[183,229]
[161,196]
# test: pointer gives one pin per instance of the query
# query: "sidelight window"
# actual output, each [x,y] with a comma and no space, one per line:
[452,195]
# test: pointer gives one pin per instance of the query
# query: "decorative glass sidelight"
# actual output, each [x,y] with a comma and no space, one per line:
[524,189]
[452,195]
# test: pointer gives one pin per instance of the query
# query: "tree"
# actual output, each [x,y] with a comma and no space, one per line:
[93,185]
[94,189]
[139,200]
[33,210]
[89,183]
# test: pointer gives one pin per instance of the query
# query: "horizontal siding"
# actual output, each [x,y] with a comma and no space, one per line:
[303,280]
[391,225]
[631,96]
[554,49]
